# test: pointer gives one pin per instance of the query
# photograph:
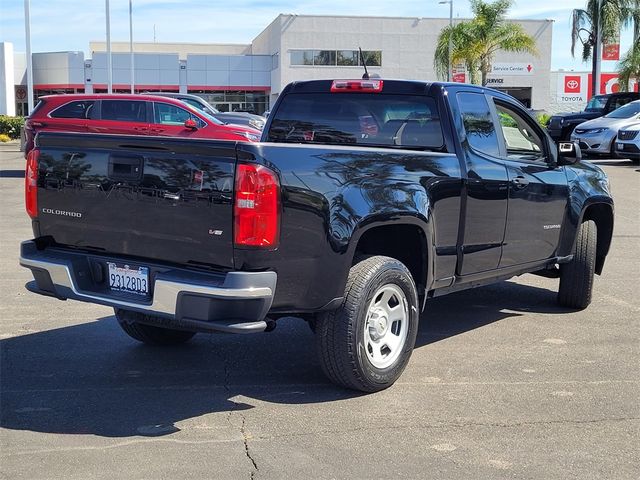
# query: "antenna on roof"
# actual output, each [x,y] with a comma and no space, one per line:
[364,64]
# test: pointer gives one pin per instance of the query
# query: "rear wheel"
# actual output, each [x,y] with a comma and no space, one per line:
[366,343]
[576,277]
[150,334]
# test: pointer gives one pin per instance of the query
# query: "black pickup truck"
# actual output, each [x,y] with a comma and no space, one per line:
[364,199]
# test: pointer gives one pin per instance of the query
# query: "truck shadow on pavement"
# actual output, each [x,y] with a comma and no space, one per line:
[91,378]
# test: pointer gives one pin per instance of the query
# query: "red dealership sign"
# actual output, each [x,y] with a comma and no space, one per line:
[460,77]
[608,84]
[572,84]
[611,51]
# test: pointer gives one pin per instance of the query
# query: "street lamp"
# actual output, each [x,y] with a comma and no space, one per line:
[27,32]
[131,45]
[109,64]
[450,71]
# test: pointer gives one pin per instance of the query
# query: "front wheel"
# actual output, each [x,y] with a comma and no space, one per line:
[576,277]
[366,343]
[612,151]
[130,322]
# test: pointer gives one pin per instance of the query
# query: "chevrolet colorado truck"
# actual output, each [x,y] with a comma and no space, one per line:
[364,199]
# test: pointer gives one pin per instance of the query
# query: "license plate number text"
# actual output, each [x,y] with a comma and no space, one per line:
[123,278]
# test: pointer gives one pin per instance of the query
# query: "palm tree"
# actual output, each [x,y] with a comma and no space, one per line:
[629,67]
[464,51]
[476,42]
[615,14]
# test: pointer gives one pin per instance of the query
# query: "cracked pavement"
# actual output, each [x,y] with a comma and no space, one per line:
[502,384]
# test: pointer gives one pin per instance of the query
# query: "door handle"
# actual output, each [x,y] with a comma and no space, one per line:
[157,130]
[140,129]
[520,181]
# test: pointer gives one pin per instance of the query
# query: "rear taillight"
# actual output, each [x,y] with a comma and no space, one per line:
[256,209]
[357,86]
[31,183]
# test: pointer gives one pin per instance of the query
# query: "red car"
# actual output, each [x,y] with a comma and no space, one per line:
[128,114]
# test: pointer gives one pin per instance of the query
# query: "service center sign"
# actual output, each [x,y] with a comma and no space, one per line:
[507,69]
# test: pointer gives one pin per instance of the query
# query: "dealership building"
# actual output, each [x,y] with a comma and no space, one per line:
[293,47]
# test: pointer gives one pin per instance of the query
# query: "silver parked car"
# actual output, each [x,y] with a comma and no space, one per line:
[598,136]
[628,142]
[237,118]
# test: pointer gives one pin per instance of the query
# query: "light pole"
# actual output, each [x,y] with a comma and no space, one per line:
[131,43]
[597,53]
[450,71]
[109,66]
[27,33]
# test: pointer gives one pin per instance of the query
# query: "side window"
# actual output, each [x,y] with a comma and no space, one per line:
[77,109]
[193,103]
[521,140]
[124,110]
[620,102]
[478,123]
[167,114]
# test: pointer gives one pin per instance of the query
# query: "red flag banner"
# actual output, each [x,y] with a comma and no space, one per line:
[611,50]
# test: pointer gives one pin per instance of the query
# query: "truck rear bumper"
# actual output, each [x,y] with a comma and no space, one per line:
[233,302]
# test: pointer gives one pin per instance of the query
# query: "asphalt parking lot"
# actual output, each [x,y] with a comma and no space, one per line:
[502,384]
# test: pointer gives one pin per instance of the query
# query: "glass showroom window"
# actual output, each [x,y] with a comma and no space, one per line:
[302,57]
[341,58]
[373,58]
[324,57]
[348,58]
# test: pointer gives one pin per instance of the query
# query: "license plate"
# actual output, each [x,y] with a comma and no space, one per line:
[621,146]
[123,278]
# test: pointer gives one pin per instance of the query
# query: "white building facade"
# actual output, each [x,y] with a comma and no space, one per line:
[403,47]
[293,47]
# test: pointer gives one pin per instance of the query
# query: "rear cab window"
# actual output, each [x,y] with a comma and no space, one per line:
[362,119]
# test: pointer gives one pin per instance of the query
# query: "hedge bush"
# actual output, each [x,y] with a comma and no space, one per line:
[543,119]
[11,126]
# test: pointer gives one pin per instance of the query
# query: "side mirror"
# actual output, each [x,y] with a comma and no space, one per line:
[190,124]
[569,153]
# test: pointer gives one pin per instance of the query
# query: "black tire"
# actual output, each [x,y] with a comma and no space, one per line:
[340,334]
[150,334]
[576,277]
[612,150]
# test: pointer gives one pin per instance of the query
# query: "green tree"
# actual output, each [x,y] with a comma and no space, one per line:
[629,67]
[476,42]
[615,14]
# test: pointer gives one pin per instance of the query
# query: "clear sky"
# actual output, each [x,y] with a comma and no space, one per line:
[60,25]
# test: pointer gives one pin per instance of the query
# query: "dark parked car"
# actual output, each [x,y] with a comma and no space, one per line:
[238,117]
[562,125]
[365,199]
[127,114]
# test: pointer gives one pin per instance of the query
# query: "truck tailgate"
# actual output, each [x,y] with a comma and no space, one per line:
[162,199]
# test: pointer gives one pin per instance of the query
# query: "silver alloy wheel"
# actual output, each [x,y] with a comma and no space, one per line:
[386,326]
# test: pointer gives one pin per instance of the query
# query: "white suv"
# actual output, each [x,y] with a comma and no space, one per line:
[628,142]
